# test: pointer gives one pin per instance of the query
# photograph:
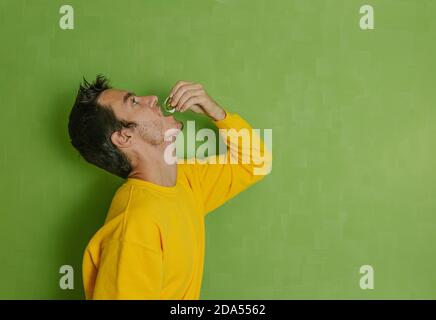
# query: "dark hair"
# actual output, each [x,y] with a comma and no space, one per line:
[90,128]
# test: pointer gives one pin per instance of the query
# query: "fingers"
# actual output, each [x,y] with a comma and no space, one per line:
[177,86]
[196,108]
[180,89]
[188,94]
[191,102]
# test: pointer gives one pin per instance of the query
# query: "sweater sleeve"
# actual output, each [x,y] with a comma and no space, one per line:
[246,161]
[128,271]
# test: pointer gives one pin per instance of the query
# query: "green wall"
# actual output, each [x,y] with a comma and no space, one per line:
[351,111]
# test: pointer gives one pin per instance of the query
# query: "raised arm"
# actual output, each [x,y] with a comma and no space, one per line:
[247,159]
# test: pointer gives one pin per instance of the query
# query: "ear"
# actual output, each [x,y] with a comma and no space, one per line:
[122,138]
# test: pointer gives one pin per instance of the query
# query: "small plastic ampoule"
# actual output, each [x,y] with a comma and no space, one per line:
[167,107]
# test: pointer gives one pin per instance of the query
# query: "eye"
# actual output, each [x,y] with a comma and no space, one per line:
[134,101]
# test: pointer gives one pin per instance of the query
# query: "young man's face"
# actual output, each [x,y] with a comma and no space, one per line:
[152,125]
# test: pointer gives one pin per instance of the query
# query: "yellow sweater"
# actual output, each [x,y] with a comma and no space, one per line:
[151,245]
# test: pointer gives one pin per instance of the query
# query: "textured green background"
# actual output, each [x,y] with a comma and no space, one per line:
[352,114]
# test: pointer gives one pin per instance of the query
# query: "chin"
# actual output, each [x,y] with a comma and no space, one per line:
[181,125]
[178,124]
[173,131]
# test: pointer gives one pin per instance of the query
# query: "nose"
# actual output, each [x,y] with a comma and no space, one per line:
[152,101]
[149,101]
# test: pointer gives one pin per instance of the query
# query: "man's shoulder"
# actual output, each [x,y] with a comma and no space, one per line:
[130,212]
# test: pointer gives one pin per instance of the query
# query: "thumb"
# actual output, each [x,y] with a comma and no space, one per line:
[196,108]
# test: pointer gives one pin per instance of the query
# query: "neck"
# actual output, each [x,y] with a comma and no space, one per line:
[153,168]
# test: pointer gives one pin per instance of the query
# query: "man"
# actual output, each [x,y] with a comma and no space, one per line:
[151,245]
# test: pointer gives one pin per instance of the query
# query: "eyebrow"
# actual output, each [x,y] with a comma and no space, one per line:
[127,96]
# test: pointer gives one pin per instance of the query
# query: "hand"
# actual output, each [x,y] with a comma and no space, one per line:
[191,96]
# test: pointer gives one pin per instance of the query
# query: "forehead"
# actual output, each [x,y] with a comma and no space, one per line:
[112,97]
